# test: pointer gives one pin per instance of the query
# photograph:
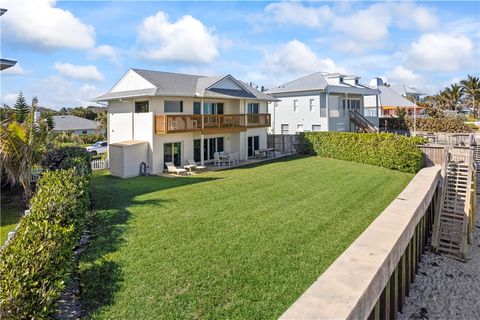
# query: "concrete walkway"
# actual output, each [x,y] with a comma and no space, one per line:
[445,288]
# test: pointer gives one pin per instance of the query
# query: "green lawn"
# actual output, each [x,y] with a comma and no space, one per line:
[242,243]
[12,208]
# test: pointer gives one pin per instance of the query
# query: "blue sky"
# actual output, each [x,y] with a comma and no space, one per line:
[71,51]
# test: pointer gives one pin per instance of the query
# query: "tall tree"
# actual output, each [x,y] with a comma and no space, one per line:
[21,108]
[452,96]
[21,148]
[471,86]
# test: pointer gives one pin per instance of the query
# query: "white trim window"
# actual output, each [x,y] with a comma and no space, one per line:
[299,127]
[284,128]
[312,105]
[316,127]
[295,105]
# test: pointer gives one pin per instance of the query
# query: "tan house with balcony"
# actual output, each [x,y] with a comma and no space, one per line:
[178,117]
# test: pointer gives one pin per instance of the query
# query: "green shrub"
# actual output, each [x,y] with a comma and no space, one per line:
[38,260]
[68,157]
[445,124]
[385,150]
[91,138]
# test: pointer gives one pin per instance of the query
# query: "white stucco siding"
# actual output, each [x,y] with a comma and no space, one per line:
[120,118]
[186,140]
[131,81]
[282,112]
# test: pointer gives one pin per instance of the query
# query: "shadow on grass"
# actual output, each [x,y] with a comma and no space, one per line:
[100,276]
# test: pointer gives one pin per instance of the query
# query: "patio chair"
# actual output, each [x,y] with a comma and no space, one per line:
[172,169]
[197,167]
[216,160]
[233,158]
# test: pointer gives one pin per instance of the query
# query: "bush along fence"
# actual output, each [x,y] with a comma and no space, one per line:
[386,150]
[447,124]
[371,279]
[37,261]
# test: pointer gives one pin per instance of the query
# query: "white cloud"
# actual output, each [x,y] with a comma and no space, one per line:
[16,70]
[72,71]
[297,13]
[186,40]
[296,58]
[440,52]
[404,76]
[106,51]
[9,99]
[40,24]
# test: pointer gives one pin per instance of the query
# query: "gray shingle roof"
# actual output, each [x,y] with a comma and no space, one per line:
[66,123]
[318,81]
[186,85]
[390,98]
[314,81]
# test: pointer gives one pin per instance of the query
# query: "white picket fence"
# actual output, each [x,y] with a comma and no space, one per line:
[100,164]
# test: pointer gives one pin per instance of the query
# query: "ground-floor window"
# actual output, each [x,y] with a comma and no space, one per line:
[210,146]
[316,127]
[172,152]
[253,145]
[284,128]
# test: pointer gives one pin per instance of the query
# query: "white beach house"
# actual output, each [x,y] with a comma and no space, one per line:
[322,102]
[157,117]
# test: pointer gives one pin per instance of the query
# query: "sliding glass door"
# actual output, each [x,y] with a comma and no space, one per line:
[210,146]
[172,152]
[253,144]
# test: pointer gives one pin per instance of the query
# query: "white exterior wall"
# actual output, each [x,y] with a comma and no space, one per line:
[120,118]
[282,113]
[131,81]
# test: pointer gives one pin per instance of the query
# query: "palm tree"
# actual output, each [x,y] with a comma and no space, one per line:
[471,86]
[452,96]
[21,148]
[101,121]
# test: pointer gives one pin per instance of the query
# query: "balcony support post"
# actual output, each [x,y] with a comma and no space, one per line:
[202,151]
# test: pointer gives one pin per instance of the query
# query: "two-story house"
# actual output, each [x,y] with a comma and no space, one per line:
[392,98]
[322,102]
[178,117]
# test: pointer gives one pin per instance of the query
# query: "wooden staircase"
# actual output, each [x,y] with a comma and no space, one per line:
[361,122]
[455,220]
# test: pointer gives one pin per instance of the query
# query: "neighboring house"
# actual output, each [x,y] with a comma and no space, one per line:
[74,124]
[180,117]
[321,102]
[393,97]
[6,63]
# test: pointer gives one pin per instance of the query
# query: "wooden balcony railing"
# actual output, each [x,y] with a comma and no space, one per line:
[210,123]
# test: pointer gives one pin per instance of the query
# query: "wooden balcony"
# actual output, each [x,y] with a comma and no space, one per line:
[209,123]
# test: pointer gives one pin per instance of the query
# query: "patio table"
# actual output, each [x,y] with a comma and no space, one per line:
[189,168]
[267,151]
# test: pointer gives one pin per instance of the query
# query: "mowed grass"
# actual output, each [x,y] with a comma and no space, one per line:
[238,244]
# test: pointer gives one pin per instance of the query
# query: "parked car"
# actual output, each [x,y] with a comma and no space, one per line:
[98,148]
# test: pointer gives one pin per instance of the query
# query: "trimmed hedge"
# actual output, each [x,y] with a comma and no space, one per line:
[385,150]
[37,262]
[446,124]
[68,157]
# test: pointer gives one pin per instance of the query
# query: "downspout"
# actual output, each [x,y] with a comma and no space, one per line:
[328,109]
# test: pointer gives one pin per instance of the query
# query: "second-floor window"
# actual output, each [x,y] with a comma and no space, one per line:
[253,108]
[173,106]
[312,105]
[295,105]
[141,106]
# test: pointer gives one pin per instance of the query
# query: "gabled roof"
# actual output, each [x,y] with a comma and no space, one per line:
[67,123]
[170,84]
[322,81]
[390,98]
[406,90]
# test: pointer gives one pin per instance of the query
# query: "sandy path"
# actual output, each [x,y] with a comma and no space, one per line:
[445,288]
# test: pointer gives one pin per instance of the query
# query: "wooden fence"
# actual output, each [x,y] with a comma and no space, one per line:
[371,279]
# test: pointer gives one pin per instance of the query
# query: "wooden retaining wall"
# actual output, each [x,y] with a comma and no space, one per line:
[371,279]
